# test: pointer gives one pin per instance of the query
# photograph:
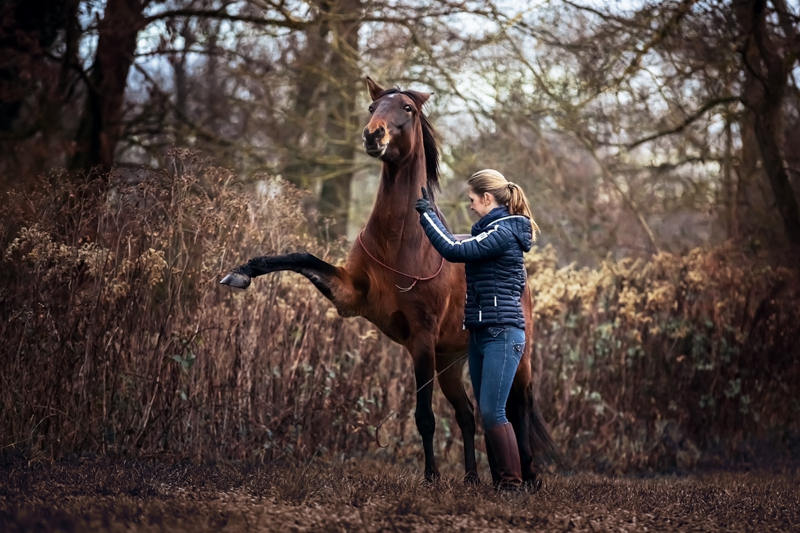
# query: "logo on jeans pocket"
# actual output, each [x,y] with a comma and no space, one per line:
[494,332]
[518,347]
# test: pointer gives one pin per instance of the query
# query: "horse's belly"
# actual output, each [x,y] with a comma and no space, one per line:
[453,342]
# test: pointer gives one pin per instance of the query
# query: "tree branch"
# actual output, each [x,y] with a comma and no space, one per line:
[298,24]
[627,199]
[221,14]
[687,121]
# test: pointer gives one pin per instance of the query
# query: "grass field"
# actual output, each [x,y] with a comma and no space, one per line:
[154,495]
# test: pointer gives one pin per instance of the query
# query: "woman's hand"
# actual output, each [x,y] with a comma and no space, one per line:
[423,204]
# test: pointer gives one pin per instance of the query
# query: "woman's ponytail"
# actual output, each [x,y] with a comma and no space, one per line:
[518,205]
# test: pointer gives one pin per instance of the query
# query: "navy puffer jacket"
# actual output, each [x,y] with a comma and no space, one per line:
[495,270]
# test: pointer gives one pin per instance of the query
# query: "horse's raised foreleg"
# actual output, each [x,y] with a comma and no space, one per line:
[453,388]
[333,282]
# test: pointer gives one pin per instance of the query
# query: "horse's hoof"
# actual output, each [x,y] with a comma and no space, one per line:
[432,478]
[236,280]
[533,485]
[471,478]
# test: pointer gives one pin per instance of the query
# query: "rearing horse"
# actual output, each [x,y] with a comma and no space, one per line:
[394,278]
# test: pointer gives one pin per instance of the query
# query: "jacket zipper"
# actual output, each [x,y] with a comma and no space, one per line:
[464,322]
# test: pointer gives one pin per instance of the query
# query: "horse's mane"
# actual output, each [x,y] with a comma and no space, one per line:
[429,142]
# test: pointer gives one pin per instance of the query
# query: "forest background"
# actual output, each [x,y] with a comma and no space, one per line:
[148,146]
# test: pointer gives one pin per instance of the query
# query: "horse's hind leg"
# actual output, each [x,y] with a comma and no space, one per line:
[536,446]
[453,388]
[517,412]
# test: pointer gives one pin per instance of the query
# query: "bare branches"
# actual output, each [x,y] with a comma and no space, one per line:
[687,121]
[287,21]
[291,21]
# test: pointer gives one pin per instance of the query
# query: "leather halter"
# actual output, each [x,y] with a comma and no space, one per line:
[387,267]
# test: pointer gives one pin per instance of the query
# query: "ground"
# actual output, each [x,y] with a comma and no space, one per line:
[103,494]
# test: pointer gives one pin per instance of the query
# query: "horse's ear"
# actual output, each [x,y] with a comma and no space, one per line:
[375,90]
[420,97]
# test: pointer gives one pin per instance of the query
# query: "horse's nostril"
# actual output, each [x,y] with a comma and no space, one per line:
[373,137]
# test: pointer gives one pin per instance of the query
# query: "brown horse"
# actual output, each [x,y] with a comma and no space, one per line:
[394,278]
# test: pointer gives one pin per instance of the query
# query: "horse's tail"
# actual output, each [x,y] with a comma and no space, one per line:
[542,447]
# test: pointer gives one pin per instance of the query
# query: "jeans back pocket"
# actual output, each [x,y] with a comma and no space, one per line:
[495,331]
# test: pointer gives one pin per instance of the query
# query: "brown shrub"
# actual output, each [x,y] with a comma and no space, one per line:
[119,339]
[668,363]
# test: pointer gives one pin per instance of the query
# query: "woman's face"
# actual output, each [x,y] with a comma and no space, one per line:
[481,204]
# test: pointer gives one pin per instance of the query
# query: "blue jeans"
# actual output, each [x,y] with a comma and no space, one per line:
[494,355]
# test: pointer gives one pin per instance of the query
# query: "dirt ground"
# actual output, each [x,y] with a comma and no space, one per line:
[102,494]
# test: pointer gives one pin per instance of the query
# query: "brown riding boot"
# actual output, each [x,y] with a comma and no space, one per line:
[503,443]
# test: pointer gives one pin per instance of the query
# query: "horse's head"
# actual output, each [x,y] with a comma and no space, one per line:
[395,124]
[398,128]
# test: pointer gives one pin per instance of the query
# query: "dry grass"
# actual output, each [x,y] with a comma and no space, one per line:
[368,495]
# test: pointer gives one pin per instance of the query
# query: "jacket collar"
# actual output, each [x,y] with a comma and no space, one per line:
[488,218]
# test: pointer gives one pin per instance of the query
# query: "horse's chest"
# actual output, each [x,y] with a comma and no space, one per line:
[399,315]
[393,322]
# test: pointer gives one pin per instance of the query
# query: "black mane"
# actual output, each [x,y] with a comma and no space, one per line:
[429,142]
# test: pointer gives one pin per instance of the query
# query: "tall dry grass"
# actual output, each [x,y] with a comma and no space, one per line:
[117,338]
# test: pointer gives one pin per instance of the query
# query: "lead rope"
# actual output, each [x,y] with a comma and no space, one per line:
[393,412]
[387,267]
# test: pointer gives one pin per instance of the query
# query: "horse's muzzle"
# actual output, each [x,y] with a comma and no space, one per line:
[373,141]
[375,150]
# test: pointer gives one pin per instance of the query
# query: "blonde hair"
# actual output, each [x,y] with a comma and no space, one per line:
[505,193]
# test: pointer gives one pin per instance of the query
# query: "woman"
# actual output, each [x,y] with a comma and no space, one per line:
[493,313]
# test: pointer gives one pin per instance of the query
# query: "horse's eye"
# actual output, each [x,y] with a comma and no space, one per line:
[371,109]
[407,108]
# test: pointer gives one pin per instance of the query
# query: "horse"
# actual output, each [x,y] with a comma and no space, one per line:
[394,278]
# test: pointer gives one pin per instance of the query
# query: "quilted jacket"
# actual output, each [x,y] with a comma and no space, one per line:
[493,262]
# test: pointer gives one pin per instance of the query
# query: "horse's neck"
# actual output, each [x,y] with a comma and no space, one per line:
[394,223]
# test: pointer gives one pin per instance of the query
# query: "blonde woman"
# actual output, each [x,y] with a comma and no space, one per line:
[495,280]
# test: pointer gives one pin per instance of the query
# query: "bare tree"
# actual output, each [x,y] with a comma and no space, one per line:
[769,53]
[661,97]
[101,118]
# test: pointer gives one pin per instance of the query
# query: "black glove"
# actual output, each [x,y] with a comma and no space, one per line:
[424,203]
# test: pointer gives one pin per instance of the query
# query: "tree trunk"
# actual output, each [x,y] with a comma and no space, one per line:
[304,124]
[323,133]
[180,76]
[766,78]
[100,125]
[729,189]
[342,120]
